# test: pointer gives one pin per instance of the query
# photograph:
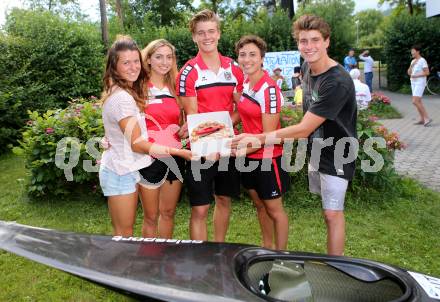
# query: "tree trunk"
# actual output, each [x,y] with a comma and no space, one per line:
[288,5]
[410,7]
[302,3]
[104,26]
[119,13]
[214,6]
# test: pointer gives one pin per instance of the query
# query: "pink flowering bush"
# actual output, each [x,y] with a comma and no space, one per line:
[392,138]
[81,120]
[377,97]
[367,127]
[380,106]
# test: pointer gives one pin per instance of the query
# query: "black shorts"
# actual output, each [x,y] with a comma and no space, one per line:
[268,184]
[156,172]
[221,178]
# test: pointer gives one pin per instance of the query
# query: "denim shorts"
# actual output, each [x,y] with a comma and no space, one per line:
[113,184]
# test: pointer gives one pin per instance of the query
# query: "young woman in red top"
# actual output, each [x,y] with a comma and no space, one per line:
[162,181]
[259,108]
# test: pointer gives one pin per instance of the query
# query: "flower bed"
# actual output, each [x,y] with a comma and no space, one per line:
[380,106]
[369,130]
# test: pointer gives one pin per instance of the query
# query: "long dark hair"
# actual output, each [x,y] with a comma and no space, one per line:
[112,78]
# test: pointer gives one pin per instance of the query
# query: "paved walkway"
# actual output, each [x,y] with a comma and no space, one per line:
[421,159]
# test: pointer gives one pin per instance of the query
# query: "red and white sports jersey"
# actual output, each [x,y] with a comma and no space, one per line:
[214,92]
[264,97]
[162,115]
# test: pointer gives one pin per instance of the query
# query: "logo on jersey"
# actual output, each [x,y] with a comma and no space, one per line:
[182,80]
[273,99]
[314,96]
[228,75]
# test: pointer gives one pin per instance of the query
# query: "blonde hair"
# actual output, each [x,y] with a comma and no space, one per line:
[111,78]
[205,15]
[147,53]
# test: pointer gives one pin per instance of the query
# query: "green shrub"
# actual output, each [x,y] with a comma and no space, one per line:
[13,95]
[403,32]
[63,58]
[275,30]
[290,115]
[367,128]
[405,89]
[45,62]
[51,139]
[380,106]
[56,145]
[181,38]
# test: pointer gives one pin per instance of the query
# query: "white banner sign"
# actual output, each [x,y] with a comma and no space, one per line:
[432,8]
[286,60]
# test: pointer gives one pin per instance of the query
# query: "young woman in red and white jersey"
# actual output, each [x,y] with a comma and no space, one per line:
[259,108]
[162,180]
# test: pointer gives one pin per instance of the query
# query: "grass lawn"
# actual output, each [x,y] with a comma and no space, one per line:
[398,226]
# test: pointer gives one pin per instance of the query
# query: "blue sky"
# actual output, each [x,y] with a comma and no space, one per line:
[90,7]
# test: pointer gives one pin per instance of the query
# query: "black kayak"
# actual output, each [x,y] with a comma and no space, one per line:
[186,270]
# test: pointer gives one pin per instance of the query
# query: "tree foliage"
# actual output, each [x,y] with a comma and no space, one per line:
[371,24]
[46,61]
[161,13]
[66,8]
[369,21]
[411,6]
[403,32]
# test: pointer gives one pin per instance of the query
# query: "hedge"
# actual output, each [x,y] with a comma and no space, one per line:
[400,36]
[61,148]
[46,61]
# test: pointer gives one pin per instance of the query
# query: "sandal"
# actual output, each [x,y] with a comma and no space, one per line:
[426,124]
[419,123]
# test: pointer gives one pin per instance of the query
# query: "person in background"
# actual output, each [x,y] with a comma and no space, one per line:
[350,61]
[210,82]
[418,71]
[123,99]
[368,68]
[277,77]
[296,77]
[163,114]
[363,95]
[298,97]
[259,108]
[296,85]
